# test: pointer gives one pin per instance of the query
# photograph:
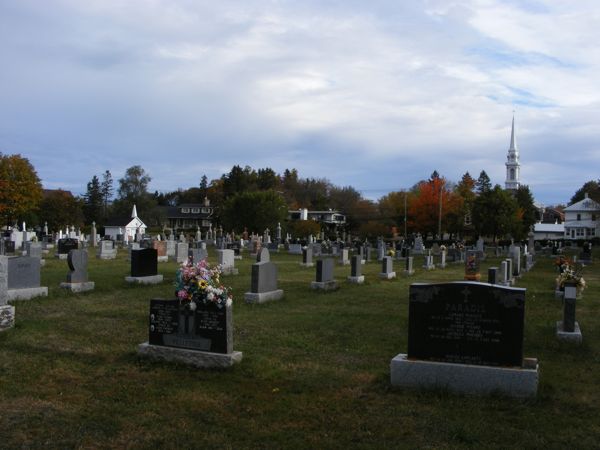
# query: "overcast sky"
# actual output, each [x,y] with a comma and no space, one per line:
[374,94]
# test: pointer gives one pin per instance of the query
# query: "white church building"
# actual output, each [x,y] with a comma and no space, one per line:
[126,227]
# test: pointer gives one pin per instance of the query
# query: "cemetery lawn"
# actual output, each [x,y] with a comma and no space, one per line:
[315,371]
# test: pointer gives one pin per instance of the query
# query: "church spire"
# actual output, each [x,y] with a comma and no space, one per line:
[513,141]
[513,167]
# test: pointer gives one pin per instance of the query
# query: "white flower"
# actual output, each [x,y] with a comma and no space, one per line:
[229,302]
[210,296]
[192,306]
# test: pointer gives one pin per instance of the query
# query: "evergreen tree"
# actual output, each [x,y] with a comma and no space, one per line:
[93,201]
[494,213]
[483,183]
[592,188]
[527,212]
[106,189]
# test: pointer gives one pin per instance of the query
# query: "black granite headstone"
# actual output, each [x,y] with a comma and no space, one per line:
[144,262]
[208,328]
[356,266]
[467,323]
[66,245]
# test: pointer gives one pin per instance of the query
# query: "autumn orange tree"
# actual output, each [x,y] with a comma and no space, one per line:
[424,206]
[20,187]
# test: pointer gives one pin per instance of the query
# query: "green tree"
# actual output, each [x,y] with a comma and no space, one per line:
[133,190]
[239,180]
[204,186]
[526,214]
[93,202]
[592,188]
[61,209]
[494,213]
[483,183]
[254,210]
[20,187]
[106,189]
[267,179]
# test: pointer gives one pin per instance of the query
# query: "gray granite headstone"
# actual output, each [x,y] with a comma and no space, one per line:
[226,258]
[493,275]
[263,255]
[34,249]
[197,254]
[324,270]
[78,262]
[307,254]
[387,265]
[181,252]
[23,272]
[264,277]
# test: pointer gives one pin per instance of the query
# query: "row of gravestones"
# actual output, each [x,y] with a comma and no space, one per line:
[452,355]
[464,336]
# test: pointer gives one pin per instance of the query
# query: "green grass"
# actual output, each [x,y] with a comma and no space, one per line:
[315,372]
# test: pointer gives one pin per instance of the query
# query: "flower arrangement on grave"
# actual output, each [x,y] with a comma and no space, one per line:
[391,252]
[200,282]
[561,263]
[569,275]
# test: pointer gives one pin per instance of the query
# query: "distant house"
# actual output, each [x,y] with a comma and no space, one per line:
[190,216]
[551,215]
[581,219]
[552,231]
[331,218]
[126,226]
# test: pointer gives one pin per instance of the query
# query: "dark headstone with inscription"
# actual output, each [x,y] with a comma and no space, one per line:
[202,337]
[144,262]
[208,328]
[466,323]
[66,245]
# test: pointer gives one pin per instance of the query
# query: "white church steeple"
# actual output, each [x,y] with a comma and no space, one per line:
[513,168]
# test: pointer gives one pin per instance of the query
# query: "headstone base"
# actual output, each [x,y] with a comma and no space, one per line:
[387,276]
[112,255]
[307,264]
[573,337]
[7,317]
[238,257]
[195,358]
[26,293]
[79,287]
[431,267]
[62,255]
[263,297]
[162,258]
[465,378]
[442,266]
[356,280]
[153,279]
[230,271]
[324,285]
[408,273]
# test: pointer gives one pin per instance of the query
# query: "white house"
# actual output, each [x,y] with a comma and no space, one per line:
[581,219]
[127,227]
[552,231]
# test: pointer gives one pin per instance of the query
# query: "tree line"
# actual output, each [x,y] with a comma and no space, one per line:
[258,199]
